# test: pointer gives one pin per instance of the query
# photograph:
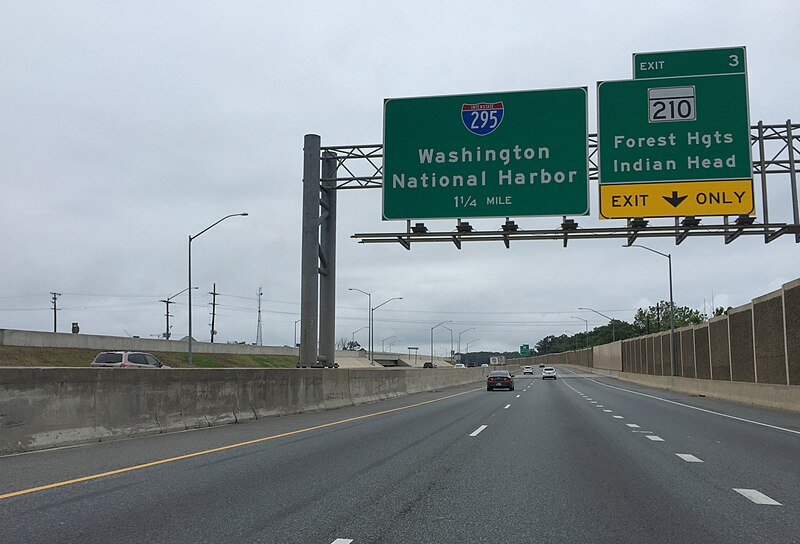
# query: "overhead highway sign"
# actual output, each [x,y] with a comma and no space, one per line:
[672,130]
[487,155]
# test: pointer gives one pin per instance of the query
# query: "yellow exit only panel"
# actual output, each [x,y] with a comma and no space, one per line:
[676,199]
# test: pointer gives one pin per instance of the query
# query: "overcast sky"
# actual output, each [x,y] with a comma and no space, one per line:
[127,126]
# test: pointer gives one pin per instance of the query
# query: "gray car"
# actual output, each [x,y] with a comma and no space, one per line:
[127,359]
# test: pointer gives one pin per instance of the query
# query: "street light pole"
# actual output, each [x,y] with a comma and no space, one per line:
[459,337]
[383,348]
[468,343]
[611,320]
[168,301]
[439,325]
[372,315]
[295,333]
[353,340]
[587,329]
[673,364]
[451,339]
[244,214]
[369,321]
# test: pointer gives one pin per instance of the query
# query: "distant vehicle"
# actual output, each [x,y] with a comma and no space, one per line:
[484,365]
[541,365]
[460,365]
[429,365]
[500,378]
[127,359]
[527,370]
[471,364]
[549,372]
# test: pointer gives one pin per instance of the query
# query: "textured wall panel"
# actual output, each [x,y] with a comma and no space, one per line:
[720,352]
[702,359]
[768,336]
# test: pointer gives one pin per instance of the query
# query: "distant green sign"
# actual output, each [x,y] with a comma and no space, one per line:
[697,62]
[525,349]
[486,155]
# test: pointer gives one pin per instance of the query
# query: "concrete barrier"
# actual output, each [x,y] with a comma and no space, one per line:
[48,407]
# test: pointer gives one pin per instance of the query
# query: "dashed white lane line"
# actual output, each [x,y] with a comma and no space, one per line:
[757,496]
[689,458]
[632,425]
[618,417]
[342,541]
[593,401]
[599,406]
[776,427]
[478,431]
[517,396]
[608,411]
[506,407]
[654,438]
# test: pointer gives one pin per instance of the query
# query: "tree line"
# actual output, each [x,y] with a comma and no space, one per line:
[646,321]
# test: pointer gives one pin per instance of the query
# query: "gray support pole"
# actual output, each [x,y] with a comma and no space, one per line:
[327,280]
[309,283]
[763,167]
[793,177]
[671,320]
[189,338]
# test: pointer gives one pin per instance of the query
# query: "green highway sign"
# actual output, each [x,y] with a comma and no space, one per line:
[730,60]
[486,155]
[674,129]
[525,349]
[675,141]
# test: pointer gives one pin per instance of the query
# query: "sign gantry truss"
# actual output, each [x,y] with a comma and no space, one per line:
[775,149]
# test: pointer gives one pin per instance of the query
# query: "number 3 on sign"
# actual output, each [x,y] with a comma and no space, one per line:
[671,104]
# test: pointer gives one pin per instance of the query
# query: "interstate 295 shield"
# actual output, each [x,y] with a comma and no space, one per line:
[482,118]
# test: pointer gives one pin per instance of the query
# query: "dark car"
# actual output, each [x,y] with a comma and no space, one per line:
[500,378]
[429,365]
[471,364]
[127,359]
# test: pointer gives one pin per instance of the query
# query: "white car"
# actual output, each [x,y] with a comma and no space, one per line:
[460,365]
[527,370]
[549,372]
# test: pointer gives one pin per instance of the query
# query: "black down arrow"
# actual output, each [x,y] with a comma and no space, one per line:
[675,200]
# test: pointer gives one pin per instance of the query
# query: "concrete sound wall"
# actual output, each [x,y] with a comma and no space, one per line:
[608,356]
[48,407]
[757,343]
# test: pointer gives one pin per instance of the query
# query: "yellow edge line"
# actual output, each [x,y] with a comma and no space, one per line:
[221,448]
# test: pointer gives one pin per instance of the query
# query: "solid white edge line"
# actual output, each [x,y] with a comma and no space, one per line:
[757,496]
[654,438]
[689,458]
[775,427]
[478,431]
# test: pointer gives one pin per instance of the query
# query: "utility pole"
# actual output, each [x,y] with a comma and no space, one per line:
[166,313]
[213,294]
[55,310]
[258,330]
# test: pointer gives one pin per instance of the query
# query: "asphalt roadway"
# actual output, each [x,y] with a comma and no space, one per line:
[579,459]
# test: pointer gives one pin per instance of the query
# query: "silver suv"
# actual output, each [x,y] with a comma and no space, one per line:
[127,359]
